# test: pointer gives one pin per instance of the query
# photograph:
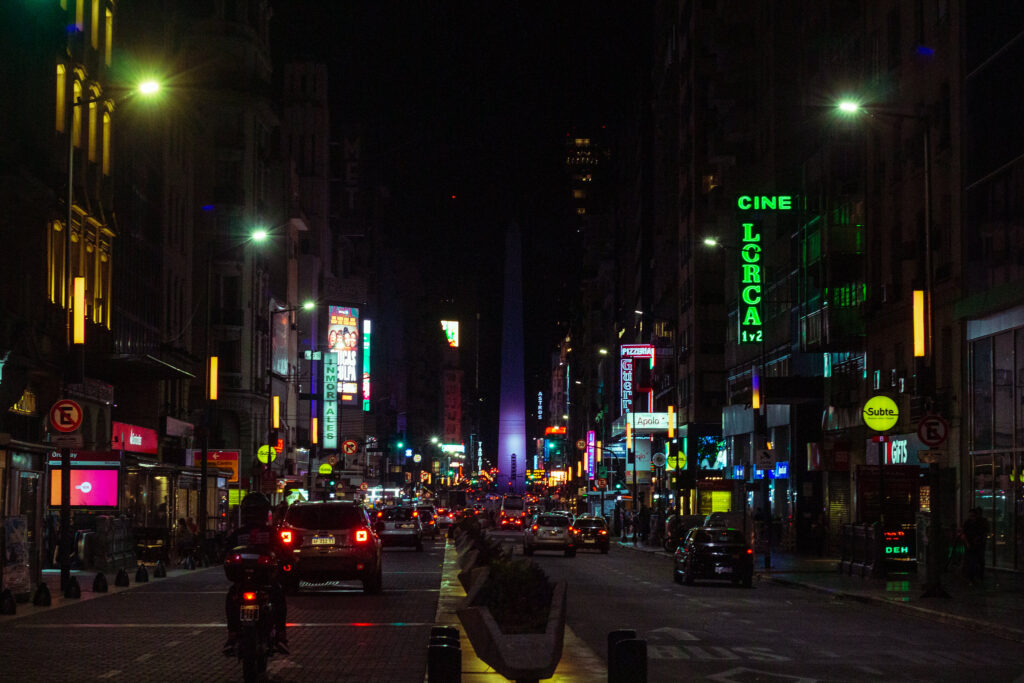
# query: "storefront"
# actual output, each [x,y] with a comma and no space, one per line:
[996,432]
[28,544]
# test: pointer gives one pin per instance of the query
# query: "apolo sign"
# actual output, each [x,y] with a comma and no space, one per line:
[880,413]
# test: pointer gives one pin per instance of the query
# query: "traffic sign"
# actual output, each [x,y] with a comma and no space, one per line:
[69,440]
[66,415]
[764,459]
[602,484]
[349,447]
[332,459]
[581,444]
[417,458]
[932,430]
[364,486]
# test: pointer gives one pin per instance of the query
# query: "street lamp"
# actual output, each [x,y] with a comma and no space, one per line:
[74,295]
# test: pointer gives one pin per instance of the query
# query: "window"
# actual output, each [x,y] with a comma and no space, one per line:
[76,114]
[94,28]
[108,38]
[62,84]
[79,14]
[106,143]
[92,131]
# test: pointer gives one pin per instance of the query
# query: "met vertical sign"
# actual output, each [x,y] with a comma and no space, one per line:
[751,316]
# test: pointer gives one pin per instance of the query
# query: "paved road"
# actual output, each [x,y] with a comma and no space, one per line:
[172,630]
[715,631]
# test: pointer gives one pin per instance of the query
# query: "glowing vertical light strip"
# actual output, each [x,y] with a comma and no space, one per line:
[276,413]
[919,334]
[314,430]
[755,390]
[212,378]
[78,310]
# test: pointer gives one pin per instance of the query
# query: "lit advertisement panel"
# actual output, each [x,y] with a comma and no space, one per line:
[591,452]
[366,365]
[343,341]
[451,331]
[89,488]
[330,436]
[280,324]
[628,355]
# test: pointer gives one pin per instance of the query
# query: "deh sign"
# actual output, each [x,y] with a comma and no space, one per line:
[750,316]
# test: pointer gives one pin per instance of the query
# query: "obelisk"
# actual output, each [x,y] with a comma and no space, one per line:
[512,409]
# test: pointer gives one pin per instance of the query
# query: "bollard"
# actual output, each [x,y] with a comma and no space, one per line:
[121,579]
[42,596]
[141,574]
[73,590]
[444,664]
[445,640]
[99,584]
[613,638]
[7,605]
[160,571]
[449,631]
[629,664]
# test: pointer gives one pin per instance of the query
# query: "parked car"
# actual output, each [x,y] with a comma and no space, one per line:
[591,531]
[719,553]
[400,526]
[732,520]
[428,520]
[329,540]
[676,528]
[550,531]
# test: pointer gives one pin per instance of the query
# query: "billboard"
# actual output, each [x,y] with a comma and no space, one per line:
[89,487]
[628,355]
[280,325]
[330,436]
[451,331]
[132,438]
[343,342]
[366,365]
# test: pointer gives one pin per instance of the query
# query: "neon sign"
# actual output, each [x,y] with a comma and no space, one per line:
[751,271]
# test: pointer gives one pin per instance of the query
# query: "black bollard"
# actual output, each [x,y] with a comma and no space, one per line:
[73,590]
[99,584]
[449,631]
[444,664]
[42,596]
[121,579]
[160,571]
[7,605]
[141,574]
[613,638]
[629,663]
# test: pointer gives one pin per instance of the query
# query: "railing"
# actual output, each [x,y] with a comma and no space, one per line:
[860,550]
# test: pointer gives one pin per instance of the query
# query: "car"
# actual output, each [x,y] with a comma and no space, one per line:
[445,517]
[513,513]
[717,553]
[676,528]
[428,520]
[550,531]
[400,526]
[591,531]
[329,540]
[734,520]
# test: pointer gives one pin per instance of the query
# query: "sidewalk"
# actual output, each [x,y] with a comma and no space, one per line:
[51,577]
[995,607]
[578,664]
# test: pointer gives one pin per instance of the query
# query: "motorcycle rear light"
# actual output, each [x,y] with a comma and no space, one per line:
[362,535]
[249,596]
[286,537]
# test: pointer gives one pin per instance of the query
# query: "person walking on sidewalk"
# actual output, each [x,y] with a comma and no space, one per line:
[975,533]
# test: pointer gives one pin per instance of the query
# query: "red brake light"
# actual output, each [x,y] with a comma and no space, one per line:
[750,551]
[535,527]
[362,535]
[286,537]
[415,513]
[380,513]
[265,560]
[231,559]
[603,532]
[249,596]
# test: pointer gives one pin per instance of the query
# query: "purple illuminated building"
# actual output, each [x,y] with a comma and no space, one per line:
[512,415]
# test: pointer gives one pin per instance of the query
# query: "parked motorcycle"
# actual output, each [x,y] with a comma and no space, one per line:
[253,571]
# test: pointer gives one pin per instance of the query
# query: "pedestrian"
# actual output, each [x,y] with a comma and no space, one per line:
[975,533]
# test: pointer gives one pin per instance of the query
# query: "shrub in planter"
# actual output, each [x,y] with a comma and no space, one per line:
[518,594]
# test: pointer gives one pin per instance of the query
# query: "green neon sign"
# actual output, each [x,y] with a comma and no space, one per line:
[750,316]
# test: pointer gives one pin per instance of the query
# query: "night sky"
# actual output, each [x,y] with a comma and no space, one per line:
[475,100]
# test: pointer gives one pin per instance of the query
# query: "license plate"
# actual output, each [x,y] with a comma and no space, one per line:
[590,540]
[554,533]
[723,570]
[249,613]
[323,540]
[406,526]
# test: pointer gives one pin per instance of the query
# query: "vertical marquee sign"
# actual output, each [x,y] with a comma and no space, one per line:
[751,317]
[330,440]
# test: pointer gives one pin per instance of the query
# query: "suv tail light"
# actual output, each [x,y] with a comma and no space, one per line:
[286,537]
[535,527]
[249,596]
[603,532]
[233,558]
[750,551]
[362,535]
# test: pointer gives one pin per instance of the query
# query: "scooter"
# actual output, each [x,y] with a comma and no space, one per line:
[252,572]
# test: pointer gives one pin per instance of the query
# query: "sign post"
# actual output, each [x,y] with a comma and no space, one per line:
[66,418]
[880,413]
[933,431]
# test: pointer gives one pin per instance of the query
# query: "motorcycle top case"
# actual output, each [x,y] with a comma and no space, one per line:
[247,564]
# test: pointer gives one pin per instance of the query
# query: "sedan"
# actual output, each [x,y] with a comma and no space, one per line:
[550,532]
[718,553]
[400,526]
[591,531]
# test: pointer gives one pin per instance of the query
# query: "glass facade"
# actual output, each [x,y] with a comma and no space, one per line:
[997,442]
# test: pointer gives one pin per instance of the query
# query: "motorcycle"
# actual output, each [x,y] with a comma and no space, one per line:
[253,571]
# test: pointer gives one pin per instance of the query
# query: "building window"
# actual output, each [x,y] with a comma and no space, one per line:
[94,28]
[76,114]
[106,143]
[62,84]
[55,259]
[108,37]
[92,131]
[79,14]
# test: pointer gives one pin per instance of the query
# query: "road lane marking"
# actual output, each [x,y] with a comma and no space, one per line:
[173,643]
[111,674]
[142,658]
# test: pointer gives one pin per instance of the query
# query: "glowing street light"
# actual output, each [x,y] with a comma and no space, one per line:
[849,107]
[149,87]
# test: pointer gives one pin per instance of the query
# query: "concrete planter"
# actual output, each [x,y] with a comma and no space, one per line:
[519,656]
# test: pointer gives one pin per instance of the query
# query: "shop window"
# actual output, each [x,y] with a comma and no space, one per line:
[1002,385]
[981,395]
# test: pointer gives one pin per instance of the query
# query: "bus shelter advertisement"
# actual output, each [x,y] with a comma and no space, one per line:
[343,341]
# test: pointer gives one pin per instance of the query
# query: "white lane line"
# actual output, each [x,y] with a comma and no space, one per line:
[172,643]
[111,674]
[870,670]
[142,658]
[192,626]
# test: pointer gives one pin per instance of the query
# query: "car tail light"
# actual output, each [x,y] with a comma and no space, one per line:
[362,535]
[286,567]
[232,559]
[502,513]
[572,530]
[750,551]
[286,537]
[603,532]
[249,596]
[415,513]
[380,513]
[265,560]
[535,527]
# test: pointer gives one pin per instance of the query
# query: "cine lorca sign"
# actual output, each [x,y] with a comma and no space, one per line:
[750,316]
